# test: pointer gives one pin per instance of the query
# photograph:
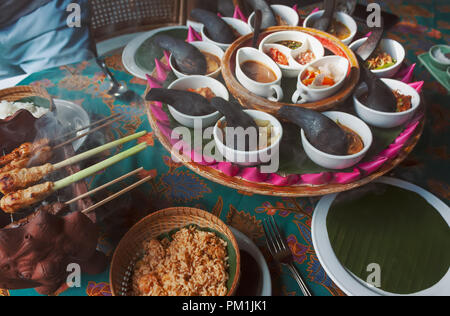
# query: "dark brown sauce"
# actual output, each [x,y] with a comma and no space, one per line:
[258,72]
[251,276]
[355,142]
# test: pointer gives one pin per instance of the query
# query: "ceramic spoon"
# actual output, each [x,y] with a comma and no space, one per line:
[369,46]
[380,97]
[258,21]
[324,22]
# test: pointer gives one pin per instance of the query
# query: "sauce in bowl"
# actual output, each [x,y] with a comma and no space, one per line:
[258,72]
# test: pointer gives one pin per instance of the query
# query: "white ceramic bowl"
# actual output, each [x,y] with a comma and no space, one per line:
[240,26]
[202,46]
[272,91]
[306,94]
[393,48]
[385,119]
[340,162]
[286,13]
[251,158]
[309,42]
[342,17]
[196,82]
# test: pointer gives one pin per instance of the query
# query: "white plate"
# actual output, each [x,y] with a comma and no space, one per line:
[72,117]
[344,279]
[129,53]
[249,246]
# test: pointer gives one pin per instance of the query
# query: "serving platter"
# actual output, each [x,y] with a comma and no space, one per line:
[393,146]
[249,100]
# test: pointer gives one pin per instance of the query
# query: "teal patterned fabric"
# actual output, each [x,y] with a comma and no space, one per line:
[425,24]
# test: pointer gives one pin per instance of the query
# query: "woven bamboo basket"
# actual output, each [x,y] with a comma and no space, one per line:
[21,92]
[162,222]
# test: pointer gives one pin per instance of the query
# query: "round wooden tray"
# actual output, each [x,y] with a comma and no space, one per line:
[237,183]
[252,101]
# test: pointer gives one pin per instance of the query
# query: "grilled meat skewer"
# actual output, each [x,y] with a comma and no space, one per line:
[14,202]
[20,177]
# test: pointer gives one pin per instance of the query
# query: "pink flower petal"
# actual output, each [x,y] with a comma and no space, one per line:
[193,36]
[280,181]
[253,174]
[347,177]
[409,75]
[159,114]
[403,138]
[228,168]
[295,7]
[153,83]
[167,56]
[392,151]
[317,179]
[161,70]
[368,34]
[373,166]
[315,10]
[417,85]
[238,14]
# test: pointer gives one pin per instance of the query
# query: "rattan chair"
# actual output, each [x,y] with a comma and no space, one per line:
[111,18]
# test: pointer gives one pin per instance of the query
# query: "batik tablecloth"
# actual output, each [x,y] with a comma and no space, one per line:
[425,24]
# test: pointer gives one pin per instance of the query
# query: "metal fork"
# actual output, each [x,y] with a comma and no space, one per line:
[281,252]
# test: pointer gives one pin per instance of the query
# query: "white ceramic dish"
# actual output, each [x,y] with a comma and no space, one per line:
[205,47]
[197,82]
[393,48]
[385,119]
[305,94]
[246,244]
[129,52]
[345,280]
[266,90]
[340,162]
[342,17]
[309,42]
[241,27]
[286,13]
[251,158]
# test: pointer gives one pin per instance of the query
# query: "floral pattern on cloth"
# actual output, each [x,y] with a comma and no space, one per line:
[175,185]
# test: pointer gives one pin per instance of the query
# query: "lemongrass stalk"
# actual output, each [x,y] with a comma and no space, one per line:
[96,168]
[96,151]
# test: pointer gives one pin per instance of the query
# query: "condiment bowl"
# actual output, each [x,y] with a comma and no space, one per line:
[196,82]
[440,62]
[390,46]
[266,90]
[306,94]
[250,158]
[342,17]
[385,119]
[241,27]
[207,48]
[308,41]
[286,13]
[340,162]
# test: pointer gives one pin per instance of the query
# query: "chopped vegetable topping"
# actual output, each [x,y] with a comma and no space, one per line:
[278,57]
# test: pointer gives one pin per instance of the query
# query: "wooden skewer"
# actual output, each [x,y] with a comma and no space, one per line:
[115,196]
[104,186]
[87,133]
[89,126]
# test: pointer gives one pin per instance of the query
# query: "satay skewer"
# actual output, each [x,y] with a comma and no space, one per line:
[100,188]
[89,126]
[118,194]
[20,157]
[22,178]
[13,202]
